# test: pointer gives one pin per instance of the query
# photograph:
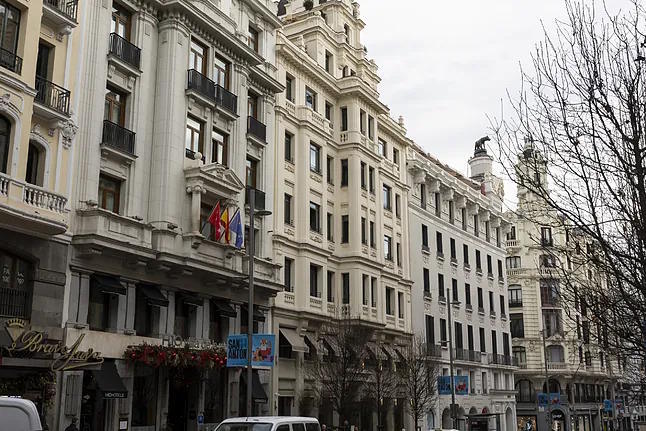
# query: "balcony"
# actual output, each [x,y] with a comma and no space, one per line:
[9,60]
[52,97]
[118,138]
[31,208]
[259,198]
[556,365]
[60,14]
[227,100]
[201,85]
[256,130]
[66,7]
[515,303]
[497,359]
[512,243]
[433,350]
[460,354]
[124,51]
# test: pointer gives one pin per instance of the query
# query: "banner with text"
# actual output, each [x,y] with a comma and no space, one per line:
[262,352]
[461,385]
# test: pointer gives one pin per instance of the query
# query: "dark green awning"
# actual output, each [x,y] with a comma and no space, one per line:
[223,308]
[109,382]
[153,294]
[108,284]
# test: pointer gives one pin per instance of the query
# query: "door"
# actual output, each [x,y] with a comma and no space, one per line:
[42,61]
[120,22]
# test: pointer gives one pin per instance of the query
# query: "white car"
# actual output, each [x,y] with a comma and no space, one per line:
[19,414]
[270,423]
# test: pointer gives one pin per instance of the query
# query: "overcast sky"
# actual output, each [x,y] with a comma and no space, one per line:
[445,65]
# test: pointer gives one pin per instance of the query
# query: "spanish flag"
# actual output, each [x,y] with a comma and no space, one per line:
[224,226]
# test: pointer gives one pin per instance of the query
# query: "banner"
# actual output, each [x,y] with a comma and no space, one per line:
[262,352]
[461,385]
[554,399]
[607,405]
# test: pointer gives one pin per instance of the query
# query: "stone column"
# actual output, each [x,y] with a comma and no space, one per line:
[196,192]
[127,314]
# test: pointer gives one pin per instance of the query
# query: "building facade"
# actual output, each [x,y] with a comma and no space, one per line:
[39,99]
[460,289]
[341,224]
[176,114]
[551,342]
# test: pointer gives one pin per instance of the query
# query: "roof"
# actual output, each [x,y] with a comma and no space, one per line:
[271,419]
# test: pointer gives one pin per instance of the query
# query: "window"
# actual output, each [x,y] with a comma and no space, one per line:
[315,217]
[289,147]
[330,286]
[330,170]
[252,173]
[371,180]
[489,267]
[427,281]
[101,308]
[552,322]
[362,121]
[289,264]
[483,341]
[252,105]
[512,234]
[465,254]
[549,293]
[492,308]
[390,301]
[438,204]
[373,292]
[329,62]
[438,244]
[454,256]
[422,195]
[388,248]
[443,337]
[345,278]
[328,111]
[440,287]
[480,300]
[115,106]
[221,72]
[315,270]
[497,237]
[457,332]
[502,305]
[373,237]
[430,330]
[548,261]
[382,147]
[467,293]
[346,31]
[546,236]
[310,98]
[513,262]
[476,225]
[288,209]
[398,211]
[120,24]
[365,289]
[398,248]
[371,128]
[387,191]
[400,305]
[363,175]
[478,262]
[364,228]
[330,227]
[470,344]
[515,294]
[315,158]
[220,149]
[109,193]
[500,269]
[194,136]
[345,229]
[35,164]
[487,231]
[15,286]
[344,172]
[451,212]
[517,326]
[520,355]
[396,156]
[344,119]
[197,57]
[5,136]
[455,296]
[252,39]
[464,219]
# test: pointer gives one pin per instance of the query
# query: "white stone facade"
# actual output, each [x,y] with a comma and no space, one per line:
[457,252]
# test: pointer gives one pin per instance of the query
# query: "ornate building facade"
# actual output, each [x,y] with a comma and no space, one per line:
[341,224]
[457,254]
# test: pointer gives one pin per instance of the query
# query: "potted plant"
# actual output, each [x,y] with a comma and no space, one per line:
[308,4]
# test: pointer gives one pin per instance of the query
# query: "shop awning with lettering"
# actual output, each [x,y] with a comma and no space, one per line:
[296,340]
[108,284]
[223,309]
[109,382]
[153,294]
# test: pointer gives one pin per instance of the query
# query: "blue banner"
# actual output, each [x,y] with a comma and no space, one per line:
[554,399]
[607,405]
[262,352]
[461,385]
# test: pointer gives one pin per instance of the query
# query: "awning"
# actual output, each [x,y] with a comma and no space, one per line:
[258,393]
[375,350]
[330,345]
[311,343]
[297,341]
[399,350]
[192,300]
[223,309]
[109,382]
[390,352]
[153,294]
[108,284]
[257,314]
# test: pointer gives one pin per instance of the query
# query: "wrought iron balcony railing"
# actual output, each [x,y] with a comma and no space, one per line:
[256,128]
[118,137]
[53,96]
[68,8]
[124,50]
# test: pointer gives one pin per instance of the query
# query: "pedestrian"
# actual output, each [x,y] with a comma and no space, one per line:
[72,426]
[323,427]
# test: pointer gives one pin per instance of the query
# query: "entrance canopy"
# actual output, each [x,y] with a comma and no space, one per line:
[109,382]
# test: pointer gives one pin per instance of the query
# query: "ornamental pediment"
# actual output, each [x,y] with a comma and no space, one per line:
[214,178]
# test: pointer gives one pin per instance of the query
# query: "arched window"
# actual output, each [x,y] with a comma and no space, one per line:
[555,387]
[524,391]
[35,164]
[5,135]
[555,354]
[16,276]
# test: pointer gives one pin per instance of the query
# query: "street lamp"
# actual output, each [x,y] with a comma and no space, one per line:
[251,200]
[454,417]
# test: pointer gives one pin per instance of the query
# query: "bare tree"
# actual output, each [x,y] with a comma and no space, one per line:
[578,126]
[382,384]
[419,372]
[338,376]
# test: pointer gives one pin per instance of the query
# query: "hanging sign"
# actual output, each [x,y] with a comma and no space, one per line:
[461,385]
[28,343]
[262,352]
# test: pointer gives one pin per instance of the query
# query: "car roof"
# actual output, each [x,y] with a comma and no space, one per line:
[270,419]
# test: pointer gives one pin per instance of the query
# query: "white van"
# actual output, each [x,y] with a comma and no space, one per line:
[19,414]
[270,423]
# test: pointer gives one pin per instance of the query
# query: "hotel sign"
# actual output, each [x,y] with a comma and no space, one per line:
[29,343]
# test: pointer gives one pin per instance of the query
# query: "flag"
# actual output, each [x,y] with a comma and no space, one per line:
[224,227]
[214,220]
[236,227]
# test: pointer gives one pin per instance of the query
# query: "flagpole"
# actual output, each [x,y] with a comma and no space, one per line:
[252,253]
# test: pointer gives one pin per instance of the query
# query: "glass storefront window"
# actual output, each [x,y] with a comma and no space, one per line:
[144,396]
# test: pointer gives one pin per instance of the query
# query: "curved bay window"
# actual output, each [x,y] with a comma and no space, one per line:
[5,134]
[16,283]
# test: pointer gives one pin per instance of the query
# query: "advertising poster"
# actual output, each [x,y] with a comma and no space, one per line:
[554,399]
[262,352]
[461,385]
[526,423]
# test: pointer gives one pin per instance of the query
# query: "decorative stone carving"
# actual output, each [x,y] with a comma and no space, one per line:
[68,132]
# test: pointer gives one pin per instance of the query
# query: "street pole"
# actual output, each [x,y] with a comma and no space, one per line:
[547,384]
[252,252]
[448,309]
